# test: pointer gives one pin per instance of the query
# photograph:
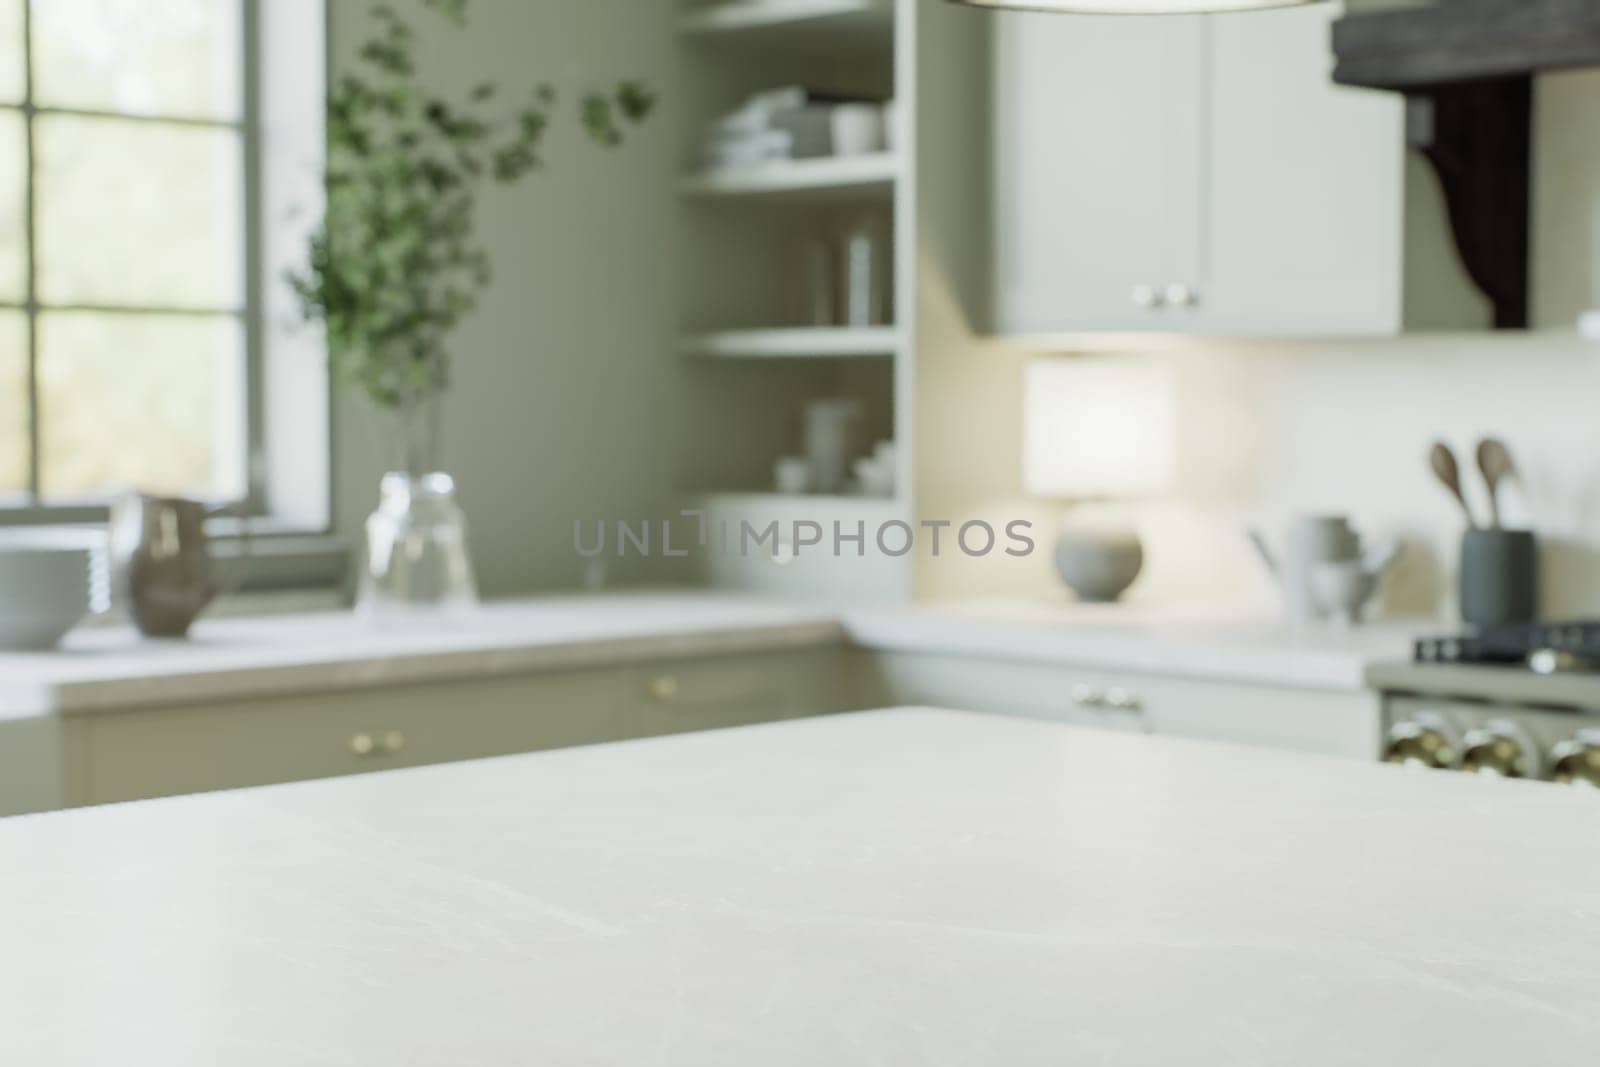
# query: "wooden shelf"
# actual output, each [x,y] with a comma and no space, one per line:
[804,23]
[834,177]
[798,343]
[782,506]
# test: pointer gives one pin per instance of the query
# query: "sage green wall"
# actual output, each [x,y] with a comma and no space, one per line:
[569,401]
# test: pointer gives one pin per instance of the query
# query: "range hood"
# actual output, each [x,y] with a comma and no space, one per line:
[1453,41]
[1466,68]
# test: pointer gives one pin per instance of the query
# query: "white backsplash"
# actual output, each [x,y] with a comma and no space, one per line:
[1270,429]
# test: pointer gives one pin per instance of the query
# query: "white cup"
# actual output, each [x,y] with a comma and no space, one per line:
[791,475]
[857,129]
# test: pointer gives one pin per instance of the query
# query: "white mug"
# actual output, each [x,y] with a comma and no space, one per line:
[857,129]
[791,475]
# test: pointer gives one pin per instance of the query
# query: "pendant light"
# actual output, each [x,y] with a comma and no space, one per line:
[1136,7]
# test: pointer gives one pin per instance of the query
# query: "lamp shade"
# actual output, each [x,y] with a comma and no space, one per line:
[1136,7]
[1098,428]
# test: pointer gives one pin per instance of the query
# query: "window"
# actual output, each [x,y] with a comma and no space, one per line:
[126,306]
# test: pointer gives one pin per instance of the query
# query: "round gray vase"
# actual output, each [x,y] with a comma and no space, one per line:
[1099,563]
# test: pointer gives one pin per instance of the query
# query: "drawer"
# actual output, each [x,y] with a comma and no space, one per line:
[965,684]
[1305,720]
[146,753]
[674,696]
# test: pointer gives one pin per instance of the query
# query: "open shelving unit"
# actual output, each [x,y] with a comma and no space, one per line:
[794,23]
[802,179]
[801,342]
[742,229]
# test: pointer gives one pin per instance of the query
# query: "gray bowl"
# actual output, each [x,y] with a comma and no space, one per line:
[44,592]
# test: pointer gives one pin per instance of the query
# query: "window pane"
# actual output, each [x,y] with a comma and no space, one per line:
[12,80]
[13,207]
[135,213]
[151,402]
[141,57]
[13,404]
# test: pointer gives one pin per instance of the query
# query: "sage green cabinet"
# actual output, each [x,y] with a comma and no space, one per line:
[140,753]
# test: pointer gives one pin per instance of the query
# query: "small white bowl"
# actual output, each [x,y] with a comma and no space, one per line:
[44,591]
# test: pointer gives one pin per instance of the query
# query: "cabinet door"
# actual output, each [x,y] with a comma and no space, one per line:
[1097,167]
[1001,687]
[679,696]
[133,754]
[1264,716]
[31,765]
[138,753]
[1305,190]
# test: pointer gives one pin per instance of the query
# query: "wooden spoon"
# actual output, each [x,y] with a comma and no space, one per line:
[1445,468]
[1495,464]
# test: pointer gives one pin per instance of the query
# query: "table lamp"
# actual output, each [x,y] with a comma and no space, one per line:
[1097,430]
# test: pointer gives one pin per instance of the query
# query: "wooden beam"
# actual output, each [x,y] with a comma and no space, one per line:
[1478,137]
[1464,40]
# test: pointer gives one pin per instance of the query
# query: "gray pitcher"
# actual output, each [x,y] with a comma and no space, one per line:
[161,561]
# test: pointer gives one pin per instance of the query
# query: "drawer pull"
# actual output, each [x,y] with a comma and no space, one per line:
[1123,700]
[1087,696]
[663,690]
[393,742]
[362,744]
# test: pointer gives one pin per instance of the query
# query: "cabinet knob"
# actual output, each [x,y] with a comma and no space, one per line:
[393,742]
[1123,700]
[362,744]
[1179,294]
[663,690]
[1147,296]
[1087,696]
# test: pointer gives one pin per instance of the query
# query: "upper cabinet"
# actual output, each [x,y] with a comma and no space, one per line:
[1099,168]
[1203,175]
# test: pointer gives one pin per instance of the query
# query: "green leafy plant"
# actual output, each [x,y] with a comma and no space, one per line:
[395,264]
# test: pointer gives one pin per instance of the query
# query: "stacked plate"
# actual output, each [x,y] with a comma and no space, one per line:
[49,580]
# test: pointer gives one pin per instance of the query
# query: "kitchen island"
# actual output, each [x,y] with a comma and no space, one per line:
[897,887]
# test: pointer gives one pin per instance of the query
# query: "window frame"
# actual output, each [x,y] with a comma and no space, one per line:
[251,315]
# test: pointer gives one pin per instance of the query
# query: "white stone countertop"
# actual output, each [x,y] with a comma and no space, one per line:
[101,668]
[895,888]
[228,658]
[1198,641]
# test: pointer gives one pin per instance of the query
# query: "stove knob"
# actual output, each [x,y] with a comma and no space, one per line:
[1424,741]
[1499,749]
[1576,761]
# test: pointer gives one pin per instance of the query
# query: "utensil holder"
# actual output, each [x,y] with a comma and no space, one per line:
[1499,577]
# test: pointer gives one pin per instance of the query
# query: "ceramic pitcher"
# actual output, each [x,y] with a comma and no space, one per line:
[162,562]
[1311,539]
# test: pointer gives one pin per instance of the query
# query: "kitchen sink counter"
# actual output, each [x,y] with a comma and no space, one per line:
[1189,642]
[901,887]
[101,669]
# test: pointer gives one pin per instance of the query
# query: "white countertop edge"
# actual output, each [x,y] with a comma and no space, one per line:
[286,679]
[1331,660]
[246,658]
[1300,670]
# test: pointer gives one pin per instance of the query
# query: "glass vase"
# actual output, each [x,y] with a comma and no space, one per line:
[416,566]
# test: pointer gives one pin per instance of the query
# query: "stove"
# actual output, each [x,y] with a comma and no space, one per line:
[1514,701]
[1545,648]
